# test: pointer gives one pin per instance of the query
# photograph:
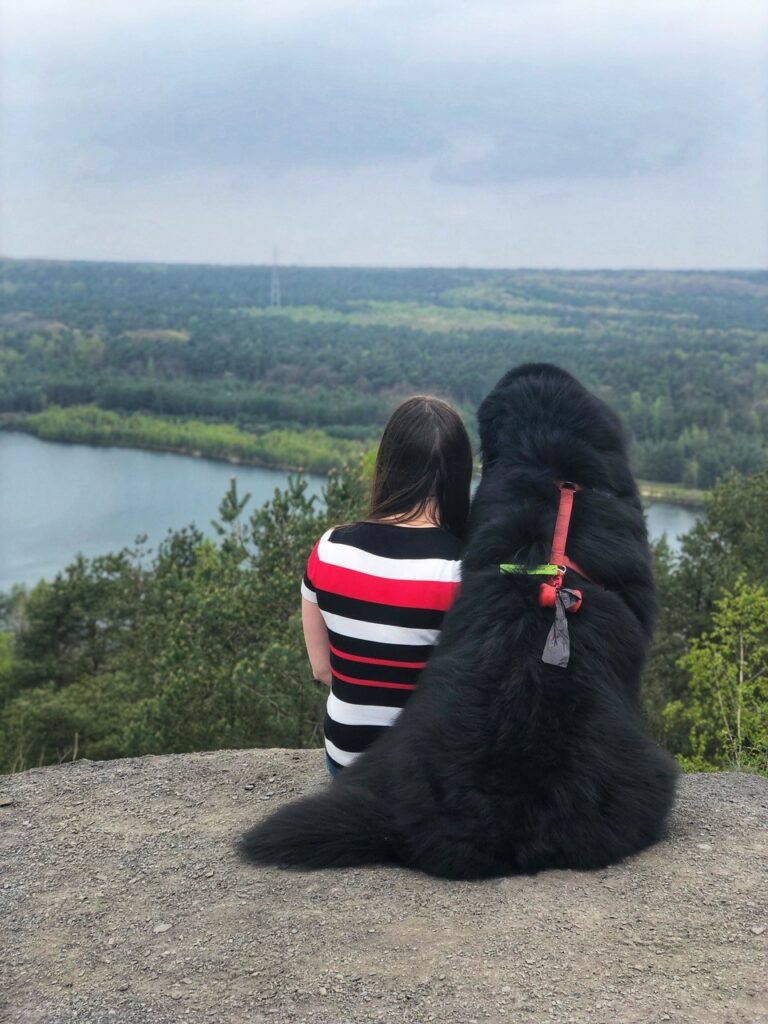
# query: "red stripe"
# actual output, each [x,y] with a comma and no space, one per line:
[430,594]
[377,661]
[312,563]
[374,682]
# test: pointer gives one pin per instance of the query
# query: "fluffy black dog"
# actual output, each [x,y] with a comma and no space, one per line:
[502,763]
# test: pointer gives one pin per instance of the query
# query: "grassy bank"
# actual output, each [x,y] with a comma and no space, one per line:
[672,494]
[310,450]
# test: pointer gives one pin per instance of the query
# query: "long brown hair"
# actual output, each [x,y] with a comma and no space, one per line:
[424,458]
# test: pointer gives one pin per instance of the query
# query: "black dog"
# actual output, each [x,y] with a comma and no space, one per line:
[501,761]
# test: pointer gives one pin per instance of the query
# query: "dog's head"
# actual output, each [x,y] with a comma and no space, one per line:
[540,418]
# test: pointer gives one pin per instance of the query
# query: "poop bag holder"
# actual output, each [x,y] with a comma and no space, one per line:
[557,649]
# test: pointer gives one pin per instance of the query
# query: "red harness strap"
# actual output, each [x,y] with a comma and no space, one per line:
[567,491]
[548,591]
[558,555]
[552,594]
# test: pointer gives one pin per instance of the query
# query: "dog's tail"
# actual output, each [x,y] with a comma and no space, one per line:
[342,827]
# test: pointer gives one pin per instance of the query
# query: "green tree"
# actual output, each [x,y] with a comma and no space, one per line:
[196,649]
[727,701]
[730,538]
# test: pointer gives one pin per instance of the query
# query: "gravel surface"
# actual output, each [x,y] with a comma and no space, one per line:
[121,900]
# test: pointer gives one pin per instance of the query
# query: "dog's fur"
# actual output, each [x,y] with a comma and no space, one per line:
[501,763]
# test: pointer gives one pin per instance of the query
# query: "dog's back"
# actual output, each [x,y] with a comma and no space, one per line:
[501,763]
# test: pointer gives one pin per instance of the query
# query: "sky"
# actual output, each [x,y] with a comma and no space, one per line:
[481,133]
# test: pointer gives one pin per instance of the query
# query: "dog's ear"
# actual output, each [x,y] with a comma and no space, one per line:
[488,420]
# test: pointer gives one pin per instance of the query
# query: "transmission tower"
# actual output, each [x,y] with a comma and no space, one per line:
[274,284]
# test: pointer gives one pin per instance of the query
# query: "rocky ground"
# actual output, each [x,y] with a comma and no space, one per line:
[121,900]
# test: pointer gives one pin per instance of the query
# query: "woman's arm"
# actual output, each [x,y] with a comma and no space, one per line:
[316,640]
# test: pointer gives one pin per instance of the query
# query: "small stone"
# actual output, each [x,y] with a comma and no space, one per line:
[249,786]
[175,994]
[323,991]
[6,801]
[703,846]
[757,929]
[162,928]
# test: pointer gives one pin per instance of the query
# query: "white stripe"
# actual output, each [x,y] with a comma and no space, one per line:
[360,714]
[307,594]
[359,630]
[342,757]
[429,570]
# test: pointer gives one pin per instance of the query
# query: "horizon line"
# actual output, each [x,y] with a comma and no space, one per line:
[397,266]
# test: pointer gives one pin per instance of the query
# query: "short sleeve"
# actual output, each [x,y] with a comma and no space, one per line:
[308,588]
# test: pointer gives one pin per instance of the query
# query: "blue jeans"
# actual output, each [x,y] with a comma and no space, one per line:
[333,769]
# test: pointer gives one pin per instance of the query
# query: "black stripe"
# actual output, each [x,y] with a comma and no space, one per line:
[381,614]
[386,696]
[381,673]
[352,738]
[308,583]
[391,541]
[375,649]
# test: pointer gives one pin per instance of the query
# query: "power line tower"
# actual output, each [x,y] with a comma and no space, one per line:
[274,284]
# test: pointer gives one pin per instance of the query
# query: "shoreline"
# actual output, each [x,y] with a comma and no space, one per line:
[232,460]
[650,491]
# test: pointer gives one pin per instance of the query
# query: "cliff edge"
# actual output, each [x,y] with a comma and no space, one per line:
[121,900]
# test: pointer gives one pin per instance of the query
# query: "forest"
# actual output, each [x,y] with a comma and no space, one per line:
[683,356]
[197,645]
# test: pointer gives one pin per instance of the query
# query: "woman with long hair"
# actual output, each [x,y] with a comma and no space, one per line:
[375,592]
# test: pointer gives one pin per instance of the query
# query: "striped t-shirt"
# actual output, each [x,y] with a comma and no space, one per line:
[383,591]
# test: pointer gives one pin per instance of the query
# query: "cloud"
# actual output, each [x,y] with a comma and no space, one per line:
[270,111]
[418,29]
[458,104]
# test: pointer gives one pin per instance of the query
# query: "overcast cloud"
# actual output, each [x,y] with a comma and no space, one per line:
[528,132]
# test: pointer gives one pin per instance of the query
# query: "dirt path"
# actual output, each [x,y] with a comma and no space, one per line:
[121,901]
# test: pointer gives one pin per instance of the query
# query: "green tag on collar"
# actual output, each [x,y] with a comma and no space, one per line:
[531,570]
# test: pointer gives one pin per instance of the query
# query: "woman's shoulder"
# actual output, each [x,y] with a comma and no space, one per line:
[389,540]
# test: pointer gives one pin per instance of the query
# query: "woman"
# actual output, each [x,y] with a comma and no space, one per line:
[375,592]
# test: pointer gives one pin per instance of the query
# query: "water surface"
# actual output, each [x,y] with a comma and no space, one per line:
[58,499]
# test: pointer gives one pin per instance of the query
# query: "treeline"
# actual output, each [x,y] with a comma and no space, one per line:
[311,450]
[683,356]
[198,646]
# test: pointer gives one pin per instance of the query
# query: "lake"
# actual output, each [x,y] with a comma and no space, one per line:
[58,499]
